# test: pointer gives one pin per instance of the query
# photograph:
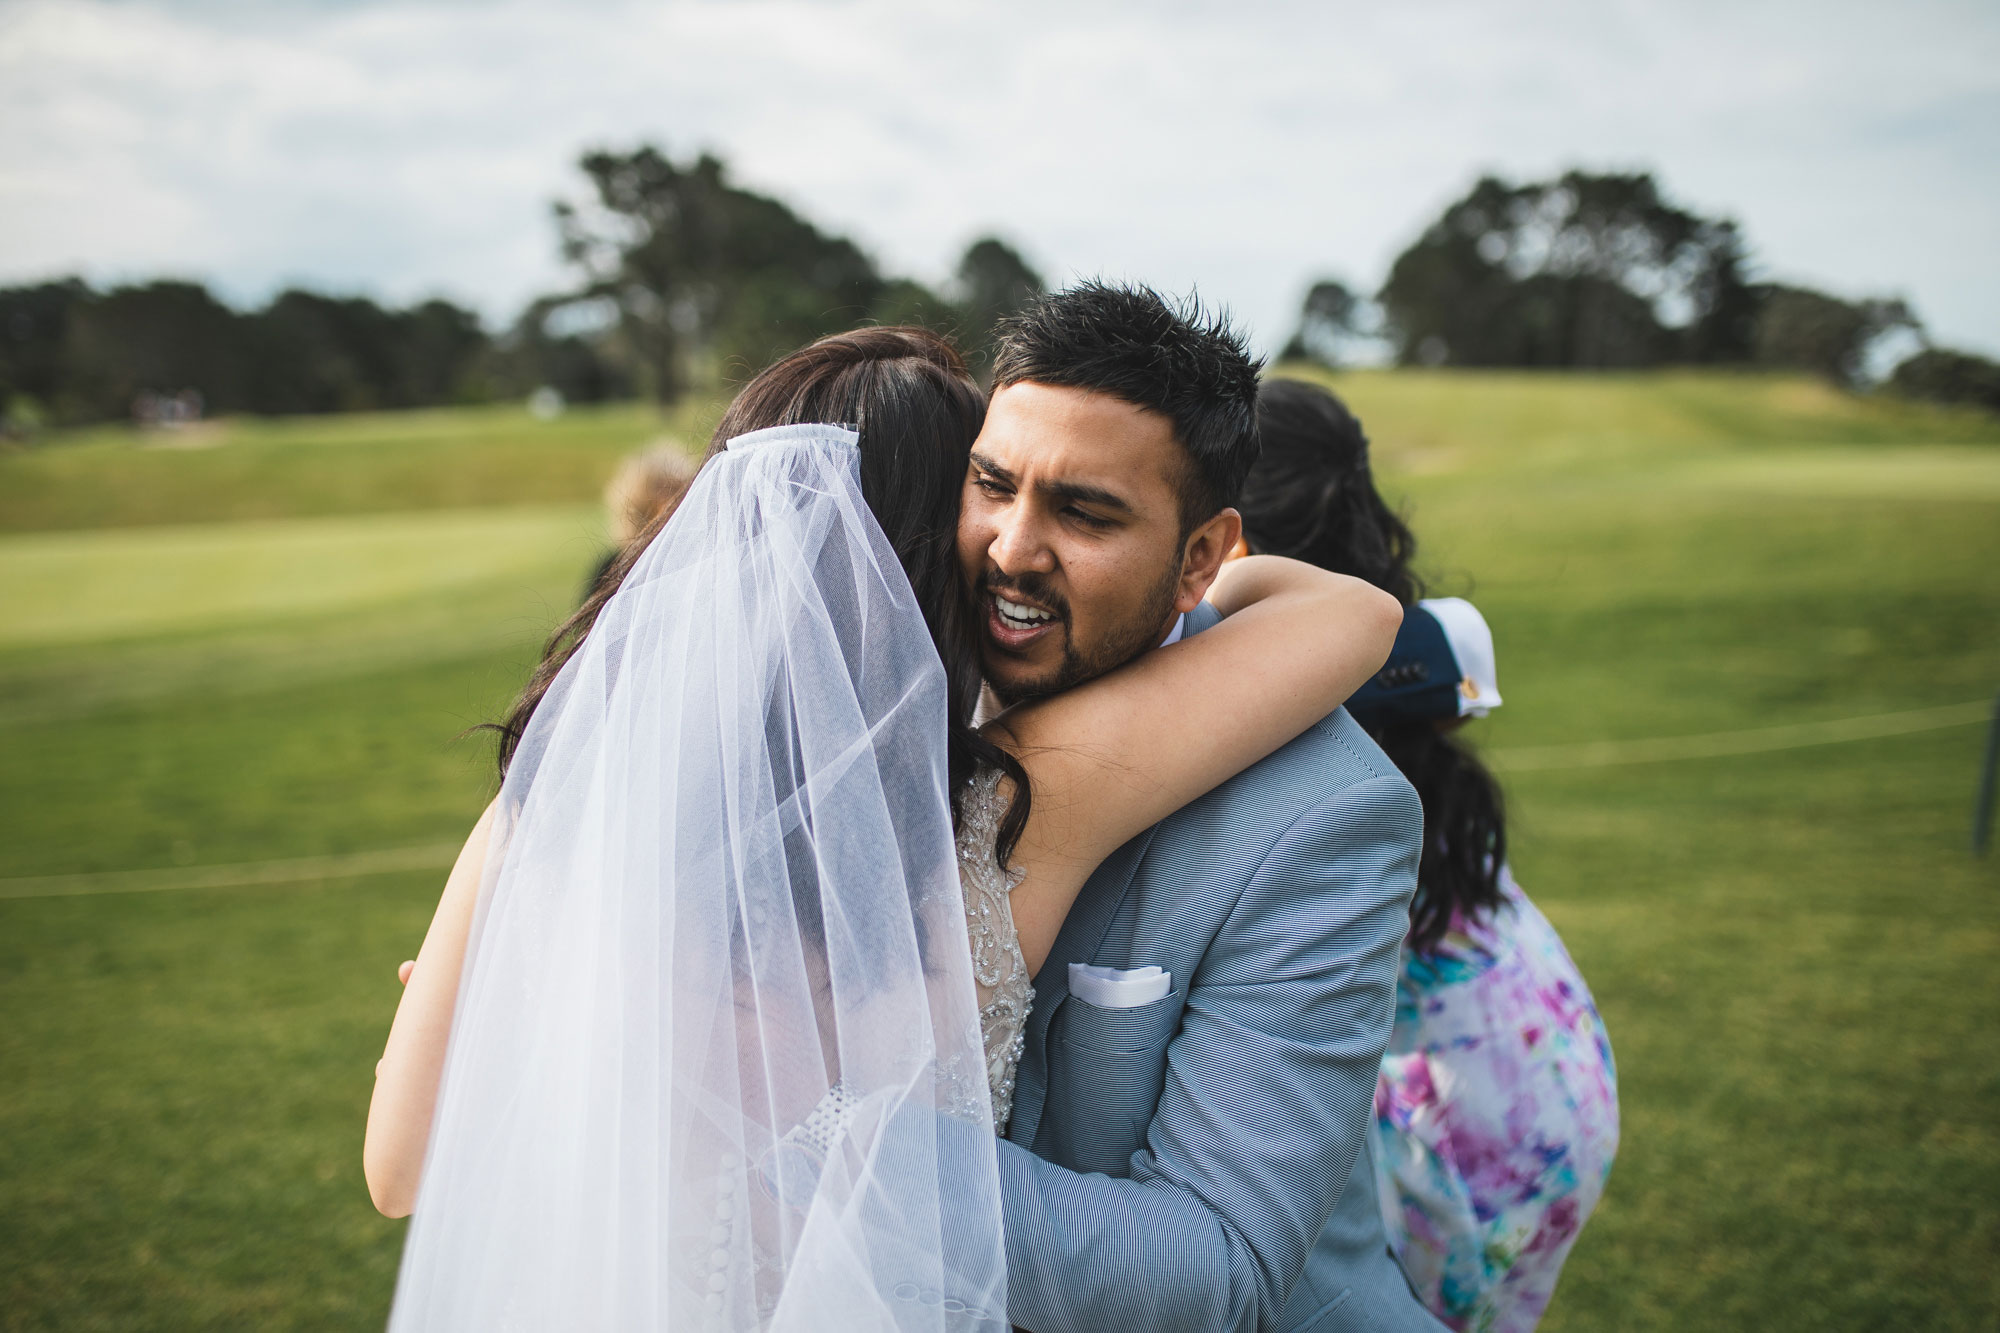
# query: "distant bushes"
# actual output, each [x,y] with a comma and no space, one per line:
[1940,376]
[684,279]
[1586,270]
[1801,329]
[71,353]
[1604,271]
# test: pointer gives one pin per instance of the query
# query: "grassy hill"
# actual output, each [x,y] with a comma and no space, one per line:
[265,642]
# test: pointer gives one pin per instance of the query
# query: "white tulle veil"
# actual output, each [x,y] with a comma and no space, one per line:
[715,1061]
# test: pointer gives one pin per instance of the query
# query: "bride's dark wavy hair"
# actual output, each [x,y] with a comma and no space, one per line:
[1312,496]
[908,393]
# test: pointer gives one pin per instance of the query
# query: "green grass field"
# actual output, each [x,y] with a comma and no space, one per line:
[267,646]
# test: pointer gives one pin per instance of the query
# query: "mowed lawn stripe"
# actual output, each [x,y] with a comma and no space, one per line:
[1752,740]
[298,870]
[75,587]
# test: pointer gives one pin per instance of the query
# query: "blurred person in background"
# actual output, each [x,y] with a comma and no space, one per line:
[646,485]
[1496,1113]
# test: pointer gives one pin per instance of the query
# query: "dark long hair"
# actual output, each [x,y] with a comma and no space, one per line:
[1312,496]
[917,409]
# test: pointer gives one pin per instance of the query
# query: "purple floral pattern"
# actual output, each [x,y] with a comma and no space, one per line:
[1496,1117]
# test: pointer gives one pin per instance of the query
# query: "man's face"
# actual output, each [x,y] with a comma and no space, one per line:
[1070,537]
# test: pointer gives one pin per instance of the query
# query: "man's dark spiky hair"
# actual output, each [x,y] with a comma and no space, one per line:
[1169,357]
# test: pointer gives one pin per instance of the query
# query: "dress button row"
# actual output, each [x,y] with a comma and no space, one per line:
[725,1210]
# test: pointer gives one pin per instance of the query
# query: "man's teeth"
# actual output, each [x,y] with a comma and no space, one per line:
[1023,615]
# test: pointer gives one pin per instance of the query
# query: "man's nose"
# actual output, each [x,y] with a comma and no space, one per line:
[1019,544]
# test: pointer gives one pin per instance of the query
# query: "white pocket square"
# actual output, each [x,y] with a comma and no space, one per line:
[1118,987]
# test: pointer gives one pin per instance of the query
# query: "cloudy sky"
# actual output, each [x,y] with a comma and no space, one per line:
[410,147]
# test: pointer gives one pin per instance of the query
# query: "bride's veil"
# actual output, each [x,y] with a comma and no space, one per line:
[715,1061]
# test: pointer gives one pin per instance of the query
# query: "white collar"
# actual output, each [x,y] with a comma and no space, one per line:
[1180,623]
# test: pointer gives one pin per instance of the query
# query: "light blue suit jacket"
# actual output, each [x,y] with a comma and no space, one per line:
[1199,1163]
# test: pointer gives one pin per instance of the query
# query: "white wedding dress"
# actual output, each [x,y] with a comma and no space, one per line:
[999,972]
[712,1063]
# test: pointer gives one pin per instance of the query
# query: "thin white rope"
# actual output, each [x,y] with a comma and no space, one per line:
[1754,740]
[1515,759]
[299,870]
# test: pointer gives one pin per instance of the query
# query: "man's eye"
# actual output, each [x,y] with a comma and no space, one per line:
[989,486]
[1089,520]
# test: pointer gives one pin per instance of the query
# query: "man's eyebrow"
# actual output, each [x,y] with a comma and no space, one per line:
[1061,490]
[987,465]
[1095,495]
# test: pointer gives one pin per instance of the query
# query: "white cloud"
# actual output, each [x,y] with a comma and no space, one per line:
[411,148]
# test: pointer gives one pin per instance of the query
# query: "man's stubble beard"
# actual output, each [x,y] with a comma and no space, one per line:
[1127,641]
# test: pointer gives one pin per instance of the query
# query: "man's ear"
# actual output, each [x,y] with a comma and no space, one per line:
[1201,560]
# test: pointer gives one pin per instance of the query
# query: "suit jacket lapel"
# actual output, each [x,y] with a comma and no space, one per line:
[1079,940]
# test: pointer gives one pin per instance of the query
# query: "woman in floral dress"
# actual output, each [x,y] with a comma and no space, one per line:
[1496,1113]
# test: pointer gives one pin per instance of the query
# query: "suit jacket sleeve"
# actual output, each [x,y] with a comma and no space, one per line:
[1269,1085]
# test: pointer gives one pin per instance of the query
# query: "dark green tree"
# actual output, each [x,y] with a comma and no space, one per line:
[1725,304]
[992,282]
[706,277]
[1331,317]
[1587,270]
[443,356]
[35,382]
[74,354]
[1939,375]
[575,360]
[314,353]
[157,338]
[1801,329]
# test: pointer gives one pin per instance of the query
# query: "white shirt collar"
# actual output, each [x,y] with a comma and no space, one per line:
[1180,623]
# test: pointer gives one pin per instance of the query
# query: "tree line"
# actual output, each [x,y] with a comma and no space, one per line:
[682,278]
[1604,271]
[71,353]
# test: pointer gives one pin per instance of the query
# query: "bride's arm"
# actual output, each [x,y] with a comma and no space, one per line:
[1118,754]
[406,1078]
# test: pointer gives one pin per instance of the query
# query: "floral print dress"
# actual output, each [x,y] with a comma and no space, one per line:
[1496,1117]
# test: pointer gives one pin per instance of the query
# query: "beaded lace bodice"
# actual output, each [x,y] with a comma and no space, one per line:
[999,971]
